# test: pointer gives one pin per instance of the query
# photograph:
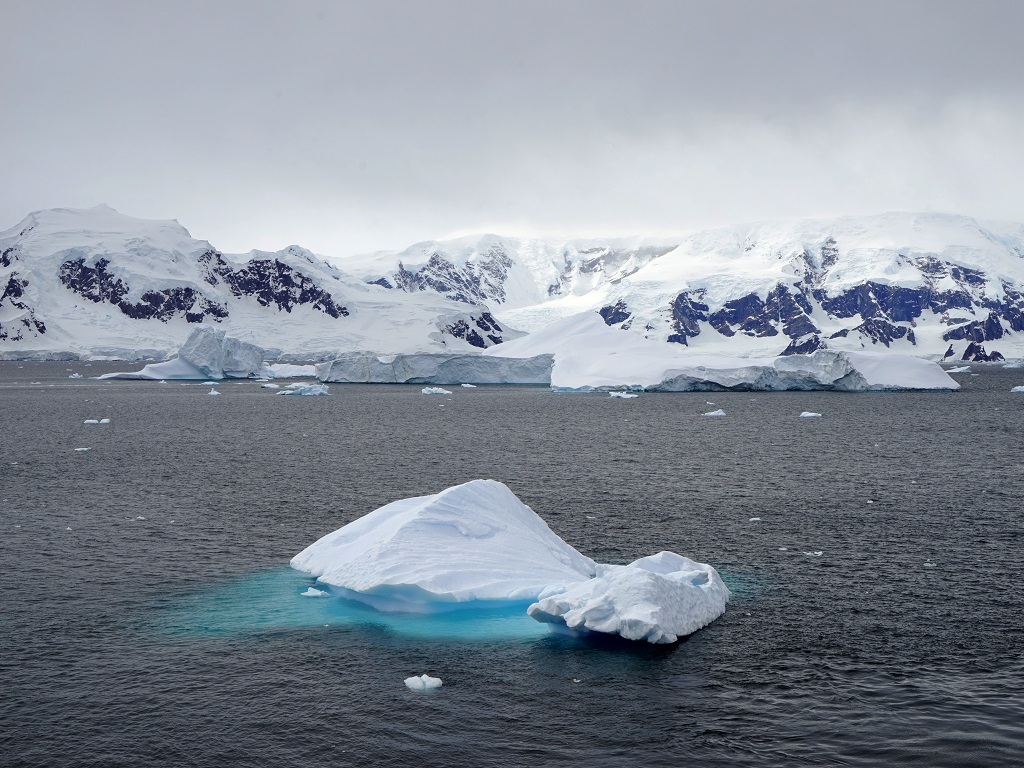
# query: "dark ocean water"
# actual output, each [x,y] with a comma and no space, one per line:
[164,628]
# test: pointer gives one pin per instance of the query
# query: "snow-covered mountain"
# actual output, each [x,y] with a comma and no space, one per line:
[99,283]
[921,284]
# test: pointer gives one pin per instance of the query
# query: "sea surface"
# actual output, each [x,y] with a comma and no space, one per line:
[148,615]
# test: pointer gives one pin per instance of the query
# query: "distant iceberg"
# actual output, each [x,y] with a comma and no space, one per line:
[477,542]
[208,353]
[437,369]
[591,355]
[1017,389]
[435,391]
[810,415]
[306,390]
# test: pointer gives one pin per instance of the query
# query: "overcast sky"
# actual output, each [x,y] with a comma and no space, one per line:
[348,127]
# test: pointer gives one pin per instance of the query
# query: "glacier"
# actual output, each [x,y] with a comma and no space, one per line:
[589,354]
[440,369]
[477,543]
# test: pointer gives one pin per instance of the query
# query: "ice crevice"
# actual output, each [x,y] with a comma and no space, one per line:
[477,543]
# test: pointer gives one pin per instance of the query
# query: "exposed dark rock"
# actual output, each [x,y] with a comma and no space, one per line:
[688,309]
[473,283]
[975,353]
[8,256]
[880,330]
[485,325]
[272,282]
[949,353]
[805,346]
[980,330]
[383,281]
[616,313]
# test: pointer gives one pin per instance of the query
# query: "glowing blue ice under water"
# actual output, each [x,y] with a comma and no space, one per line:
[272,600]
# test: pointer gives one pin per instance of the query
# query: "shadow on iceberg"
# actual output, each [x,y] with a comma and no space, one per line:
[476,544]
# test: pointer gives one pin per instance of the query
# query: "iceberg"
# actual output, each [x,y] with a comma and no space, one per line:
[208,353]
[430,368]
[306,390]
[719,412]
[810,415]
[659,599]
[435,391]
[477,542]
[623,395]
[1017,389]
[588,355]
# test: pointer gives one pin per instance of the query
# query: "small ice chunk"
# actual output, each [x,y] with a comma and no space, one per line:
[871,501]
[162,381]
[91,421]
[307,389]
[929,564]
[75,376]
[314,592]
[623,395]
[959,369]
[435,391]
[422,683]
[83,449]
[270,386]
[104,421]
[213,392]
[755,519]
[783,549]
[810,415]
[817,553]
[1017,389]
[468,386]
[719,412]
[708,402]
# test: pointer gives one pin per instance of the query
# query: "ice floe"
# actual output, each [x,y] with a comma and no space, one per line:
[423,683]
[810,415]
[1017,389]
[213,392]
[75,376]
[91,421]
[435,391]
[623,395]
[478,542]
[959,369]
[719,412]
[306,390]
[270,386]
[314,592]
[468,386]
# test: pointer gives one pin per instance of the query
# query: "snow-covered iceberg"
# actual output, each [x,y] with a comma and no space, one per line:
[478,542]
[589,355]
[659,599]
[208,353]
[430,368]
[307,390]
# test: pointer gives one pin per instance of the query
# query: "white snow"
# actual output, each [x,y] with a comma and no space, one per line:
[314,592]
[307,390]
[719,412]
[477,541]
[423,683]
[659,599]
[1017,389]
[435,391]
[810,415]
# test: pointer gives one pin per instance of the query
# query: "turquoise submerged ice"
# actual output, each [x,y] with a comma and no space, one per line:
[477,543]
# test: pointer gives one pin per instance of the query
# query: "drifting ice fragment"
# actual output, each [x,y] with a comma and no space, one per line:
[1017,389]
[75,376]
[959,369]
[810,415]
[307,389]
[104,421]
[314,592]
[213,392]
[91,421]
[929,564]
[468,386]
[83,449]
[755,519]
[423,683]
[719,412]
[270,386]
[623,395]
[818,553]
[435,391]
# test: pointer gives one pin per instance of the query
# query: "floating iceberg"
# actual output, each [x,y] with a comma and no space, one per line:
[719,412]
[306,390]
[429,368]
[591,355]
[75,376]
[91,421]
[623,395]
[959,369]
[478,542]
[659,599]
[435,391]
[208,353]
[314,592]
[468,386]
[213,392]
[810,415]
[1017,389]
[423,683]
